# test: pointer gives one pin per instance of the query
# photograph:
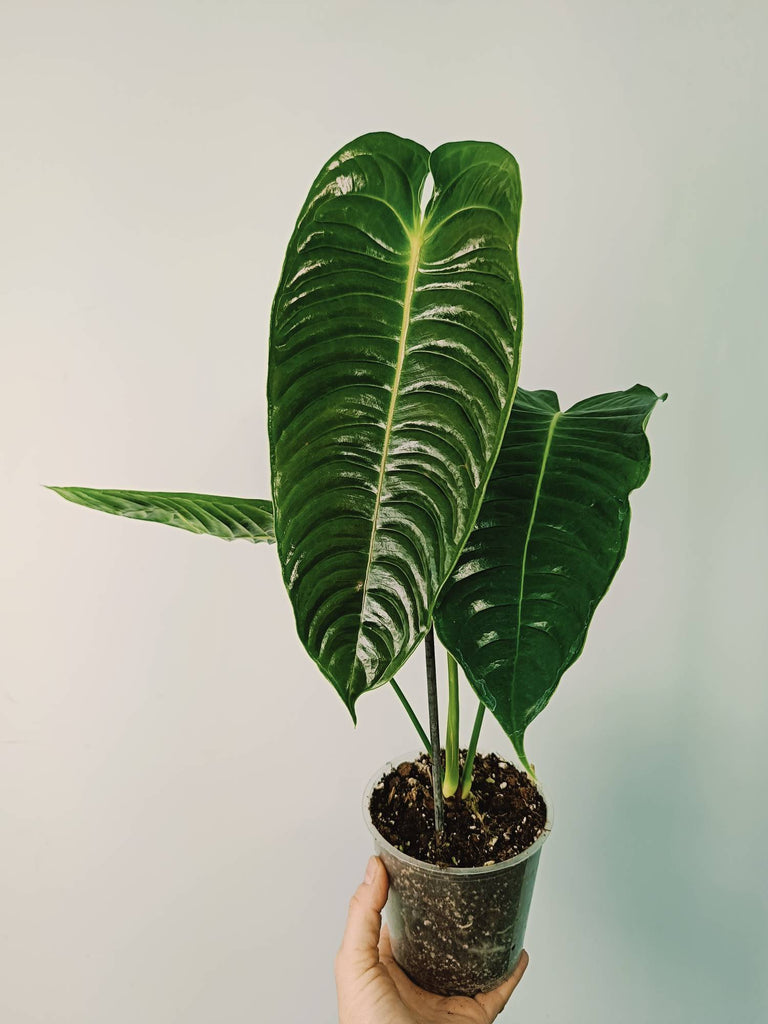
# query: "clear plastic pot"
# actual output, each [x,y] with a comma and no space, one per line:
[456,931]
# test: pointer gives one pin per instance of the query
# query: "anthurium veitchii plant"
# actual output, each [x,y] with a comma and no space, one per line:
[414,485]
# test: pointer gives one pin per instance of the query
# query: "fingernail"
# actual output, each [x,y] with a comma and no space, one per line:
[370,871]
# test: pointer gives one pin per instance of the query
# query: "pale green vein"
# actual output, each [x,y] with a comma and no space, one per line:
[417,239]
[526,544]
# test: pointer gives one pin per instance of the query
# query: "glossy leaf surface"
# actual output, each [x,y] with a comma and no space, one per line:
[227,518]
[550,536]
[393,364]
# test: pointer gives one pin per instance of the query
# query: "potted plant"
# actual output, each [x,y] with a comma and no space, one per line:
[416,489]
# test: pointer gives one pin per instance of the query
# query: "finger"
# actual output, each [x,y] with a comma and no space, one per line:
[387,957]
[385,945]
[494,1002]
[360,945]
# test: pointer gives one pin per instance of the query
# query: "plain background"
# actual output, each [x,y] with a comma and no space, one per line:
[179,787]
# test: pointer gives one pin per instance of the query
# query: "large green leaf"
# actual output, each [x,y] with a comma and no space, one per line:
[227,518]
[549,538]
[393,363]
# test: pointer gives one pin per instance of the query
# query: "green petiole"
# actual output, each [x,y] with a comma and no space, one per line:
[466,779]
[451,779]
[413,717]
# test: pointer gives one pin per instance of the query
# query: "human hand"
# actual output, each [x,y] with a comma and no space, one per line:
[372,989]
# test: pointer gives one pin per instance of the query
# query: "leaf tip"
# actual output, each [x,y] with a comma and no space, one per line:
[350,706]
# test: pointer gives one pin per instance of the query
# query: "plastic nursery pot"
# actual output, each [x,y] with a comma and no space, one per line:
[456,931]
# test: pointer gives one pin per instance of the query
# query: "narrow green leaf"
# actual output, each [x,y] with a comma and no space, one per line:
[227,518]
[550,536]
[393,364]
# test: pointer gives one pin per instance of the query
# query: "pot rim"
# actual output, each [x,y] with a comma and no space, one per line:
[441,869]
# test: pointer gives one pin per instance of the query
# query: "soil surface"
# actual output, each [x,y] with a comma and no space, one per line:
[503,815]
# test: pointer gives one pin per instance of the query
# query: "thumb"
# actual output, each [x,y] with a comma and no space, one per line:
[360,945]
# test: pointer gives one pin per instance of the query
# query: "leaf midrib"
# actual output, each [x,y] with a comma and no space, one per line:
[416,239]
[523,562]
